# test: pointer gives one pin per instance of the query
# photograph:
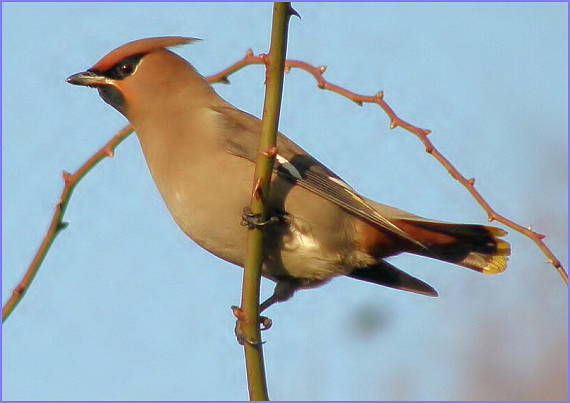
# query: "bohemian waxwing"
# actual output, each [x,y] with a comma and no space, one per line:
[201,153]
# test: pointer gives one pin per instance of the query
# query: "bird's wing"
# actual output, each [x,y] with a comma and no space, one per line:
[292,162]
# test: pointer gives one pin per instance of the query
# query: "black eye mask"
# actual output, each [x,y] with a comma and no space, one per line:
[119,71]
[123,69]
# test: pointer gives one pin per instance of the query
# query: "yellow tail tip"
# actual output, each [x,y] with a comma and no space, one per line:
[497,264]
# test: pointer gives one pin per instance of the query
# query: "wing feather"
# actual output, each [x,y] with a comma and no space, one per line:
[294,164]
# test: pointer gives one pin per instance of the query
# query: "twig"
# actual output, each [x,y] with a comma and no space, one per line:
[57,224]
[422,134]
[317,73]
[249,321]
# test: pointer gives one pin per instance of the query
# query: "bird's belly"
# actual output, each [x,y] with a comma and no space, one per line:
[208,207]
[289,251]
[299,254]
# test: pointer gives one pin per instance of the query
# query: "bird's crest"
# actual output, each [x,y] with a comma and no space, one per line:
[137,47]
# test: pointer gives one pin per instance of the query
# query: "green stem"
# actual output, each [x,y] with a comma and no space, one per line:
[249,322]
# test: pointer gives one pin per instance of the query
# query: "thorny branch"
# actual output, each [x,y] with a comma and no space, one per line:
[421,134]
[57,223]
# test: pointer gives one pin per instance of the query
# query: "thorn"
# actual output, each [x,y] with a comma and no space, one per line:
[237,312]
[224,80]
[292,11]
[380,95]
[263,57]
[555,263]
[66,176]
[322,69]
[321,85]
[393,125]
[536,234]
[429,149]
[357,102]
[287,69]
[270,153]
[108,152]
[61,225]
[249,53]
[426,132]
[471,181]
[491,218]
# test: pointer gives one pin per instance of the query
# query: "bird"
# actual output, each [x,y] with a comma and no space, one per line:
[201,152]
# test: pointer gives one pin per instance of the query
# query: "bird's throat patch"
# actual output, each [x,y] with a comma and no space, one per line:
[113,97]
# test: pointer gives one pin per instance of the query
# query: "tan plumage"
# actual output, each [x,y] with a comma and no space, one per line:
[200,151]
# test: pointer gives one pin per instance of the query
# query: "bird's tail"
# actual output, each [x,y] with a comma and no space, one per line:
[476,247]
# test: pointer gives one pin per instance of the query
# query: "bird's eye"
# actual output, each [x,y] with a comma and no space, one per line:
[126,69]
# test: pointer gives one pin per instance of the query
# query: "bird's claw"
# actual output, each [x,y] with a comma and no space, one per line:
[251,220]
[242,339]
[265,323]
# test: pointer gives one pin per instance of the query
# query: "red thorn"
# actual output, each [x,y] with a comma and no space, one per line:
[271,152]
[237,312]
[287,69]
[66,176]
[491,218]
[540,236]
[393,125]
[321,85]
[471,181]
[108,152]
[249,53]
[380,95]
[322,69]
[426,132]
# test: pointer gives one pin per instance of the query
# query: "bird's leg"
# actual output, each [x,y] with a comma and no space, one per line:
[252,221]
[284,289]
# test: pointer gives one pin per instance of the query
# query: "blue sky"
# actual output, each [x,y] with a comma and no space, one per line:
[126,307]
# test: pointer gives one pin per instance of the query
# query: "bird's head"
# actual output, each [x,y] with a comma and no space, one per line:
[141,74]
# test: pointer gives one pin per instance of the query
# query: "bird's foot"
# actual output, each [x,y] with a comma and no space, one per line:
[251,220]
[265,323]
[242,339]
